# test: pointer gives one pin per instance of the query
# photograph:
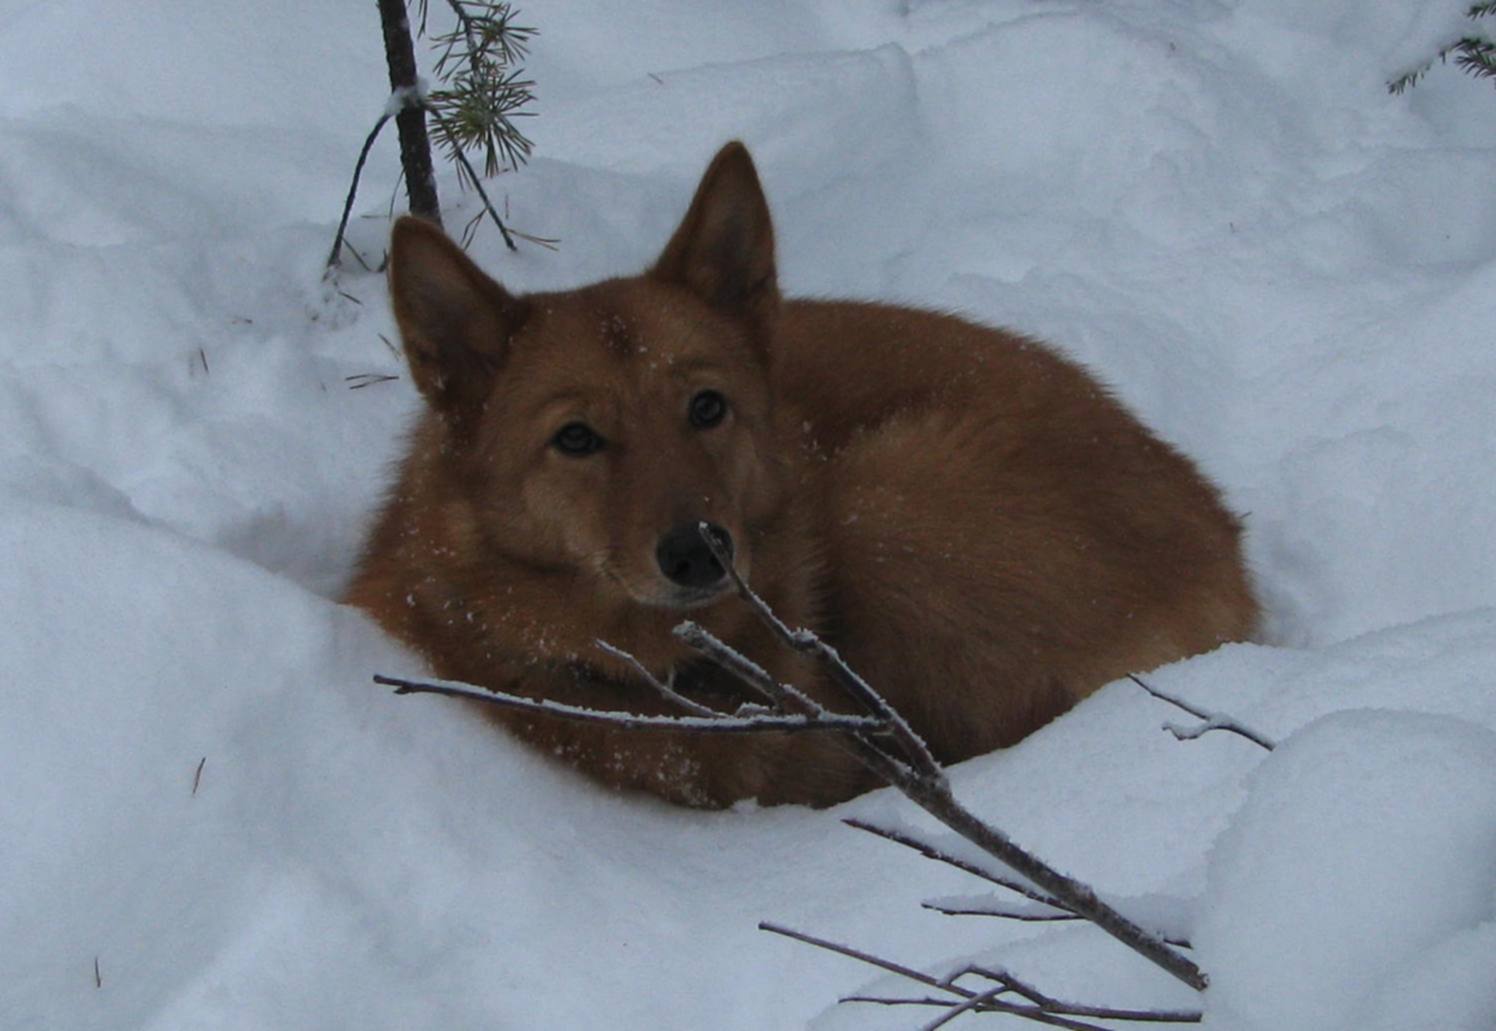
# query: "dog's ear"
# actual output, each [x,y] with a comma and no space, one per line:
[723,250]
[455,321]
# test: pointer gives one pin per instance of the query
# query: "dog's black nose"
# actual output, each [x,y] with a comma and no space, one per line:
[686,560]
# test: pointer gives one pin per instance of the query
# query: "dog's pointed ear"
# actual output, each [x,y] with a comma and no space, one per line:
[723,250]
[454,320]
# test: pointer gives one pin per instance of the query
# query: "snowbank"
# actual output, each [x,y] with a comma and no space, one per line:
[1218,207]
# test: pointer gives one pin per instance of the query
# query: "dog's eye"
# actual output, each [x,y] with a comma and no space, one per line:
[577,439]
[707,409]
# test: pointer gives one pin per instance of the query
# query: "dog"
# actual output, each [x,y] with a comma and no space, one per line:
[971,519]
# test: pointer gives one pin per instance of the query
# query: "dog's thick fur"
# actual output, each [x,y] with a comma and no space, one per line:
[983,532]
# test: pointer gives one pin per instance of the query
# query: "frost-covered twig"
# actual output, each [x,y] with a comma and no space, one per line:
[1037,1007]
[749,673]
[931,852]
[759,723]
[975,1004]
[880,738]
[981,907]
[910,767]
[1049,1004]
[916,753]
[1209,720]
[666,691]
[1032,912]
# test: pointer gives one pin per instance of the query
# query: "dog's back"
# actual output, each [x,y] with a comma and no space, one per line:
[1002,536]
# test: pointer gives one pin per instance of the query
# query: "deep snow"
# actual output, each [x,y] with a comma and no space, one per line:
[1216,206]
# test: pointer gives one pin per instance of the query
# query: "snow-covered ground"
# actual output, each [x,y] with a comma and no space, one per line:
[1216,205]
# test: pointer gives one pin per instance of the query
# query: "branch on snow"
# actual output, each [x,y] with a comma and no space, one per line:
[1209,720]
[720,723]
[958,999]
[881,738]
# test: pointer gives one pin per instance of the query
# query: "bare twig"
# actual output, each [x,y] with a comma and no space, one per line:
[1211,720]
[916,753]
[669,693]
[963,994]
[869,752]
[363,379]
[974,1004]
[916,773]
[931,852]
[334,257]
[197,777]
[1049,1004]
[1035,916]
[1077,897]
[749,673]
[716,724]
[885,743]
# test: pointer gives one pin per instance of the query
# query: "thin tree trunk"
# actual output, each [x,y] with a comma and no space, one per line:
[415,147]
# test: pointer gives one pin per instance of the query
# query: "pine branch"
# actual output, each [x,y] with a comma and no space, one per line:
[488,91]
[1473,55]
[1476,57]
[488,207]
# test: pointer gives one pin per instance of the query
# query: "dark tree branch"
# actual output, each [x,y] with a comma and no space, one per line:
[335,257]
[415,145]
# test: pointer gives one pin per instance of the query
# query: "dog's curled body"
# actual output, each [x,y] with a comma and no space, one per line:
[978,527]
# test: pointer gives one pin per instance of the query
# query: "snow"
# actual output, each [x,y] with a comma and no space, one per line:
[1402,837]
[1218,207]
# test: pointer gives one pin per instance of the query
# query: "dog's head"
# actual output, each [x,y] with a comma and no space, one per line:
[596,429]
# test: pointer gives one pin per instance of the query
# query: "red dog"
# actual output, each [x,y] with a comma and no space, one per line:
[984,533]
